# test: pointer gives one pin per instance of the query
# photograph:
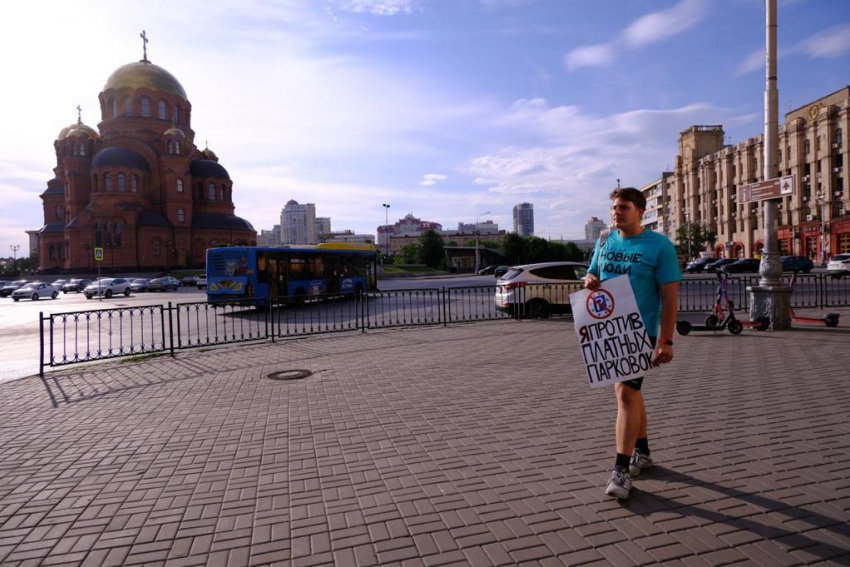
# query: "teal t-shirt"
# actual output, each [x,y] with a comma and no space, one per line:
[649,259]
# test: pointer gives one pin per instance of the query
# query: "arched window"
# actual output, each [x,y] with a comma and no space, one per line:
[221,193]
[98,235]
[81,150]
[175,113]
[157,247]
[177,147]
[51,252]
[212,191]
[74,149]
[114,104]
[146,106]
[161,106]
[118,228]
[134,183]
[128,107]
[807,147]
[122,182]
[107,235]
[58,212]
[179,185]
[170,146]
[107,181]
[181,215]
[95,182]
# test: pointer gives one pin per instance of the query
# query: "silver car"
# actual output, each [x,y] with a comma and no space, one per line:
[538,290]
[35,291]
[107,287]
[839,266]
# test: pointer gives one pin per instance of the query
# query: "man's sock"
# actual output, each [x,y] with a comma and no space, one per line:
[623,461]
[642,445]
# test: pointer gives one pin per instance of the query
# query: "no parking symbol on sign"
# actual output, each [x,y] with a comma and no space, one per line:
[611,333]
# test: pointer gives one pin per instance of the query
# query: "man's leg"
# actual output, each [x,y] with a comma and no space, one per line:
[631,418]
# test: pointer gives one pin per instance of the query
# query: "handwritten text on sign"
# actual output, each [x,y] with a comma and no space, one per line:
[611,333]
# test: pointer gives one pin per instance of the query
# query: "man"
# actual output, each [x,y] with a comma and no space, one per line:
[650,261]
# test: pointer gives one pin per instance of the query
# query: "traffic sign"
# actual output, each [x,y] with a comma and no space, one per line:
[770,189]
[98,254]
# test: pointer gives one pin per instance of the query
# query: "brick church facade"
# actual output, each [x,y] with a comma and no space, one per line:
[138,186]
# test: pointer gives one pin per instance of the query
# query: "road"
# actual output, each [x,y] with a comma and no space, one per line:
[198,325]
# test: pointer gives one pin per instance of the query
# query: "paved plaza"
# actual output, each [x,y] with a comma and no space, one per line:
[476,444]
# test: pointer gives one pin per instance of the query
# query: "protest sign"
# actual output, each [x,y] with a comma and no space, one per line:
[611,333]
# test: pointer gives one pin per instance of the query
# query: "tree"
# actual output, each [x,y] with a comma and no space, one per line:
[513,248]
[693,237]
[409,254]
[536,250]
[431,249]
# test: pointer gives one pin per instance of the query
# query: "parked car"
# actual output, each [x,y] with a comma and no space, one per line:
[35,291]
[139,285]
[107,287]
[530,287]
[167,283]
[202,281]
[59,284]
[839,266]
[744,265]
[487,271]
[8,287]
[76,285]
[797,263]
[500,271]
[189,281]
[697,265]
[721,263]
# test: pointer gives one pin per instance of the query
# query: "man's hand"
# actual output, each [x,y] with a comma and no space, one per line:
[591,282]
[663,354]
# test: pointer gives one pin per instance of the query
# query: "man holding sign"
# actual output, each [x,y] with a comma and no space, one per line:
[652,266]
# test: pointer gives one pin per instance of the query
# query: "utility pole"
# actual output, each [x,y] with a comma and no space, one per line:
[15,248]
[770,298]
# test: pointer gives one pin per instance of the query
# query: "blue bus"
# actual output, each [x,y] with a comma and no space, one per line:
[290,272]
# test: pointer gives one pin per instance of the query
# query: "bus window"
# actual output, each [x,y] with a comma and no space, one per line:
[297,268]
[317,268]
[262,275]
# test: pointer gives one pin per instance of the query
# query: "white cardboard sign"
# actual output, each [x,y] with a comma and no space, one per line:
[611,332]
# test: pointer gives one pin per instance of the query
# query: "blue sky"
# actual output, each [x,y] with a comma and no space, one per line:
[443,108]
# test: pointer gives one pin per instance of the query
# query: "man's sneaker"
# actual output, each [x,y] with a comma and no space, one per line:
[640,462]
[620,484]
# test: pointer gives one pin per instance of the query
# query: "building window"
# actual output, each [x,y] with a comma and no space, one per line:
[179,185]
[211,192]
[95,183]
[74,149]
[157,247]
[81,150]
[118,239]
[51,252]
[175,113]
[107,181]
[58,212]
[838,135]
[128,107]
[162,110]
[807,147]
[181,215]
[146,107]
[170,146]
[122,182]
[114,104]
[176,146]
[98,235]
[134,183]
[107,235]
[221,193]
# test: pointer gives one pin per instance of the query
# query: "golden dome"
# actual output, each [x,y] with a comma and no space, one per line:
[77,129]
[176,132]
[144,75]
[209,154]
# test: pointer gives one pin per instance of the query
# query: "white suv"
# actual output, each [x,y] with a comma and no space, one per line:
[538,290]
[839,265]
[201,281]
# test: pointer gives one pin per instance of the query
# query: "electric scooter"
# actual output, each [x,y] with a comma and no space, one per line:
[719,319]
[828,319]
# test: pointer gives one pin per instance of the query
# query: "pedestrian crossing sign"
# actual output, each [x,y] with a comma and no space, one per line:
[98,254]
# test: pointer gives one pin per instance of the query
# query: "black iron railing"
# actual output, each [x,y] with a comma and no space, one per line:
[84,336]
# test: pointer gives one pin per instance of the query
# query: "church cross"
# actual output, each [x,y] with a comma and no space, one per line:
[144,37]
[79,114]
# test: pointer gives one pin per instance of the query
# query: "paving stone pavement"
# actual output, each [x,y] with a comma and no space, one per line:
[473,445]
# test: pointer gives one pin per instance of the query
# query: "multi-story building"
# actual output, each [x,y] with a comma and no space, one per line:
[485,227]
[655,217]
[409,226]
[349,236]
[524,219]
[593,228]
[397,242]
[323,228]
[298,223]
[813,148]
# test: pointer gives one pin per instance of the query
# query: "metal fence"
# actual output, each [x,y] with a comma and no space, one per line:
[84,336]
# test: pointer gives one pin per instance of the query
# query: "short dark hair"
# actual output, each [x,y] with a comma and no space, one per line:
[630,194]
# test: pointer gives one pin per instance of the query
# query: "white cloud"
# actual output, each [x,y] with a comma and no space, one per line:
[646,30]
[380,7]
[753,62]
[433,178]
[833,42]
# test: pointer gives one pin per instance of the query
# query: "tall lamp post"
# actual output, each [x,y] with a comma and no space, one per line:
[478,232]
[822,202]
[386,230]
[15,248]
[688,234]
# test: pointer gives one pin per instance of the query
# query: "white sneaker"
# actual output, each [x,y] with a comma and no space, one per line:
[639,462]
[620,484]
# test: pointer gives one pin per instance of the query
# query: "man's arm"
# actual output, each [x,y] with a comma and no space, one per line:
[669,312]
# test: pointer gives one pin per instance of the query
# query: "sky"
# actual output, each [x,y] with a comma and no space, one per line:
[452,110]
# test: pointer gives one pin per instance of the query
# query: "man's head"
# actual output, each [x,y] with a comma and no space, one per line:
[627,208]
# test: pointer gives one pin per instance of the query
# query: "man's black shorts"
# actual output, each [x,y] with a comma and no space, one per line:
[636,383]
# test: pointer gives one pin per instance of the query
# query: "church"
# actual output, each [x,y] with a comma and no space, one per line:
[137,187]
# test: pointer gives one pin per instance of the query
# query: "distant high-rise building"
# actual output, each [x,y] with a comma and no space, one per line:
[524,219]
[323,228]
[593,228]
[298,223]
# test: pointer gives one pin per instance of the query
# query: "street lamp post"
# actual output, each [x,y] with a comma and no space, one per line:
[478,232]
[15,248]
[386,231]
[688,235]
[822,202]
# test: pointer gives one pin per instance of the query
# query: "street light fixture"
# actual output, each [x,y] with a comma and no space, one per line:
[386,230]
[477,233]
[15,248]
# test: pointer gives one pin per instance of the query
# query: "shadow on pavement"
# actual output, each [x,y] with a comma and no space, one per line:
[646,503]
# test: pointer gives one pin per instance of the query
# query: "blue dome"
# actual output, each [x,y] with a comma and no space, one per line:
[208,168]
[120,157]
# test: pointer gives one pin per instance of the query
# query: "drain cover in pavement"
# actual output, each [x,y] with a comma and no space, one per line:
[290,375]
